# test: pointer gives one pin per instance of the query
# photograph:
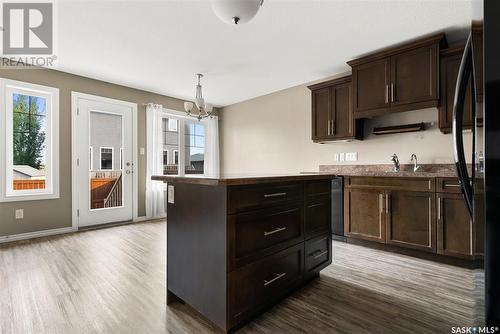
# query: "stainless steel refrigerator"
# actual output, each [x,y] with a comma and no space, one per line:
[480,181]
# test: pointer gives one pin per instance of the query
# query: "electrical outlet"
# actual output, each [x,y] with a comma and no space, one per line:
[351,156]
[20,214]
[342,156]
[142,151]
[336,157]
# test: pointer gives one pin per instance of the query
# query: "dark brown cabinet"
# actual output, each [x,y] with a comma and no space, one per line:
[417,213]
[364,214]
[332,117]
[398,79]
[450,63]
[410,220]
[453,226]
[457,235]
[247,242]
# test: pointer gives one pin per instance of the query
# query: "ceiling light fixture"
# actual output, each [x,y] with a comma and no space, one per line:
[236,11]
[204,109]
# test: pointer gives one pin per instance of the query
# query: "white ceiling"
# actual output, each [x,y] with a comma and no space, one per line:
[159,45]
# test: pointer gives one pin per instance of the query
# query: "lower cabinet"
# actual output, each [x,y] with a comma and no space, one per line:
[364,214]
[410,220]
[424,214]
[259,283]
[454,226]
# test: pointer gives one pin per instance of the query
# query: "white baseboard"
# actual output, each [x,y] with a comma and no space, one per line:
[38,234]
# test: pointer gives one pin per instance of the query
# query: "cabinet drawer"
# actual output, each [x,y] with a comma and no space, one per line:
[393,183]
[314,189]
[247,197]
[448,185]
[259,283]
[318,253]
[258,233]
[317,217]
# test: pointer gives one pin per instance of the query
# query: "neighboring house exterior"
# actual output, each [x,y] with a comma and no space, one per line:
[105,141]
[24,172]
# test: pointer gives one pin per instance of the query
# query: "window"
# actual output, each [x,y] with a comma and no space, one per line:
[91,157]
[195,148]
[176,157]
[107,158]
[165,162]
[172,125]
[29,120]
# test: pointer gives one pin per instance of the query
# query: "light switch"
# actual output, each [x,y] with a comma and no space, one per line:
[20,214]
[142,151]
[342,156]
[336,157]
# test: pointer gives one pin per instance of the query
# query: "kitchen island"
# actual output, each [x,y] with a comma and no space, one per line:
[236,245]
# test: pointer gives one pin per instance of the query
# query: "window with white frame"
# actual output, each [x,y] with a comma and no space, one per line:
[176,157]
[29,128]
[166,161]
[107,158]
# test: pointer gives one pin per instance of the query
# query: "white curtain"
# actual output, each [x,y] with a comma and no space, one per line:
[212,147]
[155,190]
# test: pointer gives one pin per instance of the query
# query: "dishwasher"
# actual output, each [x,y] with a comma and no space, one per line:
[337,208]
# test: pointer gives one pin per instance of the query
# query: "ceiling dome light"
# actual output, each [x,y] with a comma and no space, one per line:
[236,11]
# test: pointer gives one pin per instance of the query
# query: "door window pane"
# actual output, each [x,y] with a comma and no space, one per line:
[106,158]
[106,134]
[29,142]
[170,144]
[195,148]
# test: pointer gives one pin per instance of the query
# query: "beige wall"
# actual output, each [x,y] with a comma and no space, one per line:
[51,214]
[272,134]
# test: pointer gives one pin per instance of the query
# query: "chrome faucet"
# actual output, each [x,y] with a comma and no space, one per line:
[395,161]
[416,167]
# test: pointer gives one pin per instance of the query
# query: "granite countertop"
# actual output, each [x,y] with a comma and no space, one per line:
[242,179]
[325,172]
[386,170]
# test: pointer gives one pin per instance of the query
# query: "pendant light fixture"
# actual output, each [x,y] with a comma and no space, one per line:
[236,11]
[204,109]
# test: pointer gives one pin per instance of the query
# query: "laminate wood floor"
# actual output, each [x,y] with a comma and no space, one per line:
[113,281]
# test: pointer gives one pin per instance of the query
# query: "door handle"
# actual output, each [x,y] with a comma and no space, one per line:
[392,93]
[274,195]
[464,73]
[329,127]
[278,276]
[386,93]
[279,229]
[439,208]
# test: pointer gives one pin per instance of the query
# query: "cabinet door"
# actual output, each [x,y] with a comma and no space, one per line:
[454,226]
[370,85]
[414,77]
[364,214]
[321,106]
[411,220]
[341,114]
[317,217]
[450,63]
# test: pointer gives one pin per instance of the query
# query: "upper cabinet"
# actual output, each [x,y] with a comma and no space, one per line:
[399,79]
[332,117]
[450,63]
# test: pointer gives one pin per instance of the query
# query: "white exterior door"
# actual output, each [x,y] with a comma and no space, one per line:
[103,166]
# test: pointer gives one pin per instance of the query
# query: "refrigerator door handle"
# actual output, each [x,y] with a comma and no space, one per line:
[464,73]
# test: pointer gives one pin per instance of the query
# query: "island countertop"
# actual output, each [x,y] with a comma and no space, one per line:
[242,179]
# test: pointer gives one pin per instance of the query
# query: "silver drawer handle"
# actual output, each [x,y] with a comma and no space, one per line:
[279,229]
[266,283]
[318,254]
[452,185]
[274,195]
